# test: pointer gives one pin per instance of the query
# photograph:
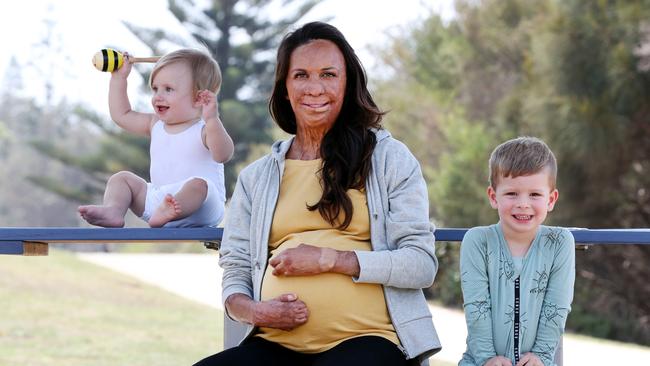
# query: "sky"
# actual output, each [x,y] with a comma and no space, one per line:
[78,29]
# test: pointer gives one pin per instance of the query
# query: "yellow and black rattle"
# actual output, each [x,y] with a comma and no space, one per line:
[110,60]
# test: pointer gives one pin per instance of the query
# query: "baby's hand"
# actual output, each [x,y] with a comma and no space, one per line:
[125,70]
[498,361]
[208,100]
[529,359]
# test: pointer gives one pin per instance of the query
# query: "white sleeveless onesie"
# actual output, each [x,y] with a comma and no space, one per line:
[177,158]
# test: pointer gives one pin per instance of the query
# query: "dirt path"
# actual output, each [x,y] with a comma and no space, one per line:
[198,277]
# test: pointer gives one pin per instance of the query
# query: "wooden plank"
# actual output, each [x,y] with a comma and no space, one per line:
[35,248]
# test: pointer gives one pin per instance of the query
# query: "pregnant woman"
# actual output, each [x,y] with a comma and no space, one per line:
[328,243]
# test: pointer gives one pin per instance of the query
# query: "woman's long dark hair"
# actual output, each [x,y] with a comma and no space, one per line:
[346,149]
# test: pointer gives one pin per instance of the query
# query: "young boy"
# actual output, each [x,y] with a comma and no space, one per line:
[188,147]
[517,275]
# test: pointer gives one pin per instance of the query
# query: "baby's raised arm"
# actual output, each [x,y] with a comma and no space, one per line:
[120,107]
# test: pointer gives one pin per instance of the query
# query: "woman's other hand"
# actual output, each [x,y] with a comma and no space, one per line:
[284,312]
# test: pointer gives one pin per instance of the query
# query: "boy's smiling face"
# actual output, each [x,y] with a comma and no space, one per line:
[523,203]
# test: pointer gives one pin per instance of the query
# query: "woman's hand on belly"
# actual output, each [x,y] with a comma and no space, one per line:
[307,260]
[284,312]
[303,260]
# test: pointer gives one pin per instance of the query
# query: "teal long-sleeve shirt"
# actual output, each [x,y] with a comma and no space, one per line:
[488,274]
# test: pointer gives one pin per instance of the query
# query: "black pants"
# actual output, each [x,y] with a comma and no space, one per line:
[367,350]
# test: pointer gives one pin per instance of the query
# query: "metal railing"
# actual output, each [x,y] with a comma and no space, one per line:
[36,240]
[14,240]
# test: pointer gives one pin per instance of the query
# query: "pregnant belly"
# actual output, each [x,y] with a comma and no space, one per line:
[339,309]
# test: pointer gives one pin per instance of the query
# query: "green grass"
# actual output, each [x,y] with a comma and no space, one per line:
[58,310]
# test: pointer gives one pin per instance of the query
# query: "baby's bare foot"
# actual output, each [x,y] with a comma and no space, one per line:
[169,210]
[99,215]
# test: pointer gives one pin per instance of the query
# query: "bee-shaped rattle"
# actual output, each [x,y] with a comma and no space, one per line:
[110,60]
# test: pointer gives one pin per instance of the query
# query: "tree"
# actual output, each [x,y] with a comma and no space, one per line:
[590,93]
[24,204]
[12,81]
[109,150]
[574,73]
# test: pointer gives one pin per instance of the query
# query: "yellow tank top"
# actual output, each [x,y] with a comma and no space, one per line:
[339,308]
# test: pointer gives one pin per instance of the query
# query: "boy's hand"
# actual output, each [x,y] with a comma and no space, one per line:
[125,70]
[529,359]
[498,361]
[208,100]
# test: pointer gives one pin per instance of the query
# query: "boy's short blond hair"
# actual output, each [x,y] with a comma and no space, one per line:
[520,157]
[205,70]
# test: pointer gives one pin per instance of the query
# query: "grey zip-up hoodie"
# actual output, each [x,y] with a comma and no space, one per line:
[403,258]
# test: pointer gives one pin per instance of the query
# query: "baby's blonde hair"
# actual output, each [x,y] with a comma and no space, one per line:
[522,156]
[205,70]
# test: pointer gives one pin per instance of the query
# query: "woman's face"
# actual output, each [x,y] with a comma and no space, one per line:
[316,84]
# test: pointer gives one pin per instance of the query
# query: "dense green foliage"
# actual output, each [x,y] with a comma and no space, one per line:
[575,73]
[22,122]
